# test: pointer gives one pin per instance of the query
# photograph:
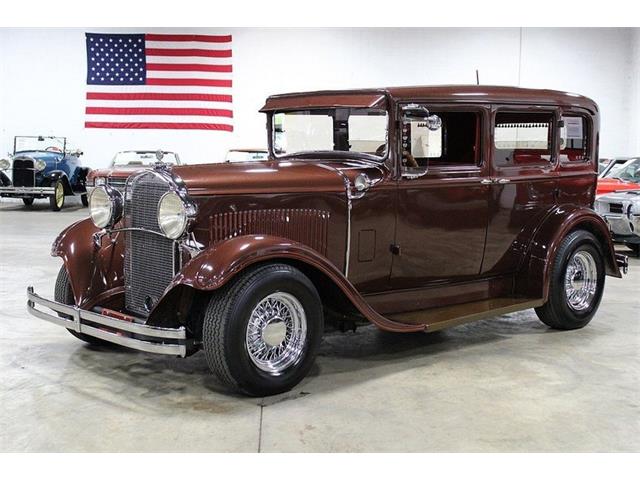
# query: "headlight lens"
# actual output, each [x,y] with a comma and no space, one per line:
[99,181]
[172,215]
[4,164]
[105,206]
[40,165]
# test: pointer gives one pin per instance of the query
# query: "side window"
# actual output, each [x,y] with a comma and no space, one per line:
[522,138]
[455,143]
[573,139]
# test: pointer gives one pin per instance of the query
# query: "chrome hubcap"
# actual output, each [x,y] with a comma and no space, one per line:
[581,280]
[276,333]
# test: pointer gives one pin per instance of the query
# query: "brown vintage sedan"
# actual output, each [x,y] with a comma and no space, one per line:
[412,208]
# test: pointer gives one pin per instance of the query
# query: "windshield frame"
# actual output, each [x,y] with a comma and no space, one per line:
[152,152]
[620,166]
[37,137]
[341,154]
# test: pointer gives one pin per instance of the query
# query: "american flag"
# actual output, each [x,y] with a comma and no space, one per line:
[159,81]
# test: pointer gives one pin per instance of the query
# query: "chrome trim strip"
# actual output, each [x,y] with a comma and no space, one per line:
[28,190]
[76,324]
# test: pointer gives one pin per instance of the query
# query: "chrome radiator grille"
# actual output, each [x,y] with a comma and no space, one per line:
[150,259]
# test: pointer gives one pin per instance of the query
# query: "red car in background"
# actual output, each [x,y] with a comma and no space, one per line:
[620,174]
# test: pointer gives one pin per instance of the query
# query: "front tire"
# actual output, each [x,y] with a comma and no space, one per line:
[28,201]
[56,201]
[577,283]
[261,333]
[64,294]
[84,198]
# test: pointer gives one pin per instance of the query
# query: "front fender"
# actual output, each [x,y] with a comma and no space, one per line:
[534,278]
[94,273]
[50,178]
[218,264]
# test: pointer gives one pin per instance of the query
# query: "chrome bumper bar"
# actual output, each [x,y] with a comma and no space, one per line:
[623,262]
[28,190]
[169,341]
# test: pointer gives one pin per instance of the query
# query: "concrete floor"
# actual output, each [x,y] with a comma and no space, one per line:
[504,384]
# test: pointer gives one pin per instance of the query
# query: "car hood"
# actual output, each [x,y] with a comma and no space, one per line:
[606,185]
[48,157]
[285,176]
[628,195]
[117,172]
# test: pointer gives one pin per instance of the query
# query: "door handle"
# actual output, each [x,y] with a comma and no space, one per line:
[486,181]
[503,180]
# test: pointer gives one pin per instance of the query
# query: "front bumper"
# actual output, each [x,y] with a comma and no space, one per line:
[25,191]
[168,341]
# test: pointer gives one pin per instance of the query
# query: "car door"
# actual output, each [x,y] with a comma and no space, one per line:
[524,186]
[442,211]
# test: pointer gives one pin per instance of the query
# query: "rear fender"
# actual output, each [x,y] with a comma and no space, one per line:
[533,280]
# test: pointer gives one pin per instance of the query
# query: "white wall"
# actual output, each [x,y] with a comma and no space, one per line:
[42,74]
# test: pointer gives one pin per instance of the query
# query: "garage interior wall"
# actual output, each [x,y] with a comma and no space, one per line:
[42,78]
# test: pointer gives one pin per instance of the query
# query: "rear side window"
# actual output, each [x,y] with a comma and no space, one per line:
[573,139]
[523,138]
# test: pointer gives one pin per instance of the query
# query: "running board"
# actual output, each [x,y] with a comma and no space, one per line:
[437,318]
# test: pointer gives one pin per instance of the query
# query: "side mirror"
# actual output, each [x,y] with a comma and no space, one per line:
[421,113]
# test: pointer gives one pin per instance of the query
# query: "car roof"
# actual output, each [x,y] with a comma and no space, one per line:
[458,93]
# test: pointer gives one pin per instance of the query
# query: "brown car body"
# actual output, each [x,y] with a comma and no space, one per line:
[409,254]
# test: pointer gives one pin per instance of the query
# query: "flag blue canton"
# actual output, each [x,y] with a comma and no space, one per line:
[115,59]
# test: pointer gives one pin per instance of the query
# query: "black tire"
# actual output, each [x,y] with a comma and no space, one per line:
[64,294]
[56,201]
[634,247]
[226,320]
[558,312]
[84,198]
[28,201]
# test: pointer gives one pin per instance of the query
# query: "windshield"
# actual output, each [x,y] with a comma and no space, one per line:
[629,170]
[43,144]
[124,159]
[357,130]
[246,156]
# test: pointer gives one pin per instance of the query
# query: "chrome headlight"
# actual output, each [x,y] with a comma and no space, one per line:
[5,164]
[105,206]
[173,215]
[40,165]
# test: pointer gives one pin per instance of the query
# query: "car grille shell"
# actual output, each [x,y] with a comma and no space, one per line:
[151,259]
[23,172]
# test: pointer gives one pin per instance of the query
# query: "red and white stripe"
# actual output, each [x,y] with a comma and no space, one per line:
[188,86]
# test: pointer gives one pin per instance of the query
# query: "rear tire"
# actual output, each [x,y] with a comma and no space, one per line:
[64,294]
[261,333]
[56,201]
[27,201]
[577,283]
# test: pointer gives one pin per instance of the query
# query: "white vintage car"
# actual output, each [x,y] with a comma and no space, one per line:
[621,211]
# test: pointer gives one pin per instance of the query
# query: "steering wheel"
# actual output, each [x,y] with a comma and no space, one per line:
[53,149]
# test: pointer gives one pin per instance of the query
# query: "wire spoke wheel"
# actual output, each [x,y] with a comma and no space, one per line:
[581,281]
[276,333]
[59,192]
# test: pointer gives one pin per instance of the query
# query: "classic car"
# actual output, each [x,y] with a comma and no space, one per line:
[621,174]
[412,208]
[43,167]
[621,211]
[127,162]
[246,155]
